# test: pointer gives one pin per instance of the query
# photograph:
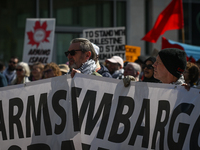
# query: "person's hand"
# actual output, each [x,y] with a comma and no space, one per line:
[127,80]
[74,71]
[187,86]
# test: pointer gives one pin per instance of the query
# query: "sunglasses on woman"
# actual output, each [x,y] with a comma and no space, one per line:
[19,70]
[148,66]
[72,52]
[47,71]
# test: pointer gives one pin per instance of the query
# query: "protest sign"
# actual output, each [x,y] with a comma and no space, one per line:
[111,41]
[89,112]
[132,53]
[38,41]
[37,116]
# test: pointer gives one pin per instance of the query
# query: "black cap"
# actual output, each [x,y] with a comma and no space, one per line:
[174,60]
[152,59]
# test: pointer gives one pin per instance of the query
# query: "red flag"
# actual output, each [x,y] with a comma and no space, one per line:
[170,18]
[167,44]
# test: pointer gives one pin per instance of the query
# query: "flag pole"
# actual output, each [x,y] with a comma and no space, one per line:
[183,35]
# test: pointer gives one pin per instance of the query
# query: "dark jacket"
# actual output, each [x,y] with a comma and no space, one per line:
[3,80]
[104,71]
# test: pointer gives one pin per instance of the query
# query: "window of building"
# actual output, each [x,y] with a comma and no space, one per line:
[72,16]
[13,16]
[191,14]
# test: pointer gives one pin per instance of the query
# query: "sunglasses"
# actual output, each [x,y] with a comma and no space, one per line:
[47,71]
[12,62]
[19,70]
[72,52]
[148,66]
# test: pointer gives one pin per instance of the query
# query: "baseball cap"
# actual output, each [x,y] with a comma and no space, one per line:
[116,59]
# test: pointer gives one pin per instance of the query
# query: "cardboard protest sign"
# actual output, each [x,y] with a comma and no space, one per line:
[111,41]
[38,41]
[89,112]
[132,53]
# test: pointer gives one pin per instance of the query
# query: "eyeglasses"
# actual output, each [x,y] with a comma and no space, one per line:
[72,52]
[12,62]
[148,66]
[47,71]
[19,70]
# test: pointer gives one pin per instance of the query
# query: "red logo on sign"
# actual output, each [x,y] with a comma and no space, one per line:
[39,35]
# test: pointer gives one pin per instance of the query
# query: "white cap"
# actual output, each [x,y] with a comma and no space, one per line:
[96,48]
[116,59]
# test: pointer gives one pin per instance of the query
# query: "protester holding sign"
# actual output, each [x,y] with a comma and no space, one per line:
[170,65]
[23,72]
[81,56]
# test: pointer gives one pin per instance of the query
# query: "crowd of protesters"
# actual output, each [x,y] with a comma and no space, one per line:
[169,66]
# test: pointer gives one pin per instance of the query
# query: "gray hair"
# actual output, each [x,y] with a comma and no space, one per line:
[136,66]
[86,45]
[25,68]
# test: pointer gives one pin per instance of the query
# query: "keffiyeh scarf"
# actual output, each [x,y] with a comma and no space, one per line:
[88,67]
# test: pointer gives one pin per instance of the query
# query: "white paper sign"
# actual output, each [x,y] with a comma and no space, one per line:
[111,41]
[38,41]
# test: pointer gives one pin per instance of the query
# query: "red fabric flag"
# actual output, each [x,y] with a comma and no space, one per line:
[170,18]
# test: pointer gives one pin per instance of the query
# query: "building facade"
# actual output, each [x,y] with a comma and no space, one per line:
[72,16]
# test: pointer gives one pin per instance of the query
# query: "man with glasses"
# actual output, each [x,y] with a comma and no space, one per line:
[81,56]
[10,72]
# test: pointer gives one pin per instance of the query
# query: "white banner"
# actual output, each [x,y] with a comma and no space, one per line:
[111,41]
[38,41]
[89,112]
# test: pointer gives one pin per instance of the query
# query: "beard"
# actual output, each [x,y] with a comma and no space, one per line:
[72,64]
[75,64]
[11,68]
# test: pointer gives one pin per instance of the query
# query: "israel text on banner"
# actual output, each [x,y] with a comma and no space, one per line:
[111,41]
[38,40]
[89,112]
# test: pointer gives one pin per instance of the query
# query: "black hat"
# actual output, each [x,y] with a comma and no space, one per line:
[152,59]
[174,60]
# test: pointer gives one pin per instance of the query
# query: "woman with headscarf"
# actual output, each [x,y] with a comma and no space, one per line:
[148,70]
